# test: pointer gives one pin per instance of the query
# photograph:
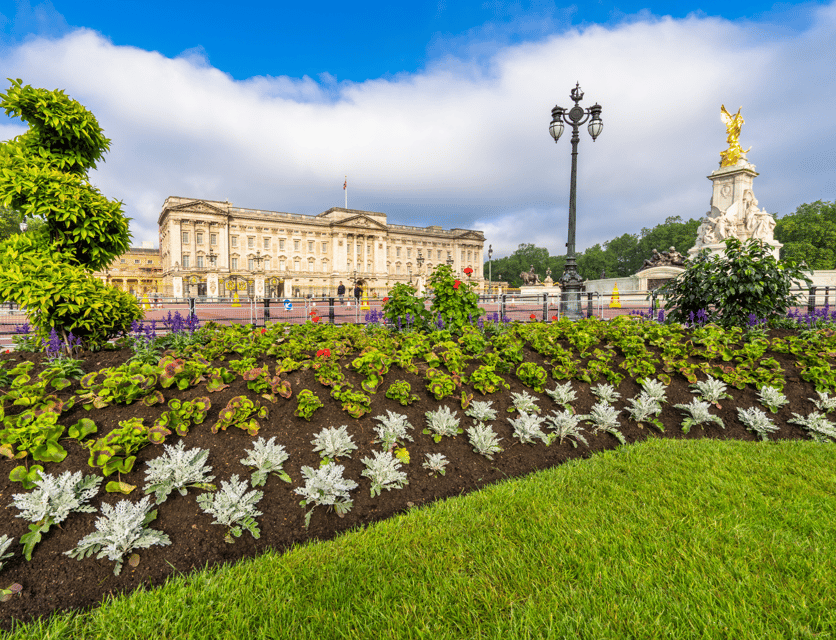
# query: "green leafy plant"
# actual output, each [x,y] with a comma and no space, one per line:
[485,380]
[307,403]
[533,375]
[439,384]
[43,173]
[180,417]
[746,279]
[27,477]
[240,412]
[124,384]
[218,379]
[454,301]
[354,403]
[35,434]
[373,364]
[401,391]
[405,309]
[115,451]
[184,373]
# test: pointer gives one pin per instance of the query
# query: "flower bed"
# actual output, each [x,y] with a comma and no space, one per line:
[366,379]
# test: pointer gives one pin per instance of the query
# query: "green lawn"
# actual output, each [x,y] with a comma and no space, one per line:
[663,539]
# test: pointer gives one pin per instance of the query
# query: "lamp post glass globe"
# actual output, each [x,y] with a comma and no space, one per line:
[23,227]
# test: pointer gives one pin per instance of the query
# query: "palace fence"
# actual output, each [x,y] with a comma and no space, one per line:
[511,305]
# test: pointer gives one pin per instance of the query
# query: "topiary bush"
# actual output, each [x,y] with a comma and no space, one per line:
[746,280]
[454,299]
[43,174]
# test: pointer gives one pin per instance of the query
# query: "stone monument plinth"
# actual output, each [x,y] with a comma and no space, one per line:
[734,208]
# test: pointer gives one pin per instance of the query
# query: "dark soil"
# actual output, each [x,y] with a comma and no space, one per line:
[54,582]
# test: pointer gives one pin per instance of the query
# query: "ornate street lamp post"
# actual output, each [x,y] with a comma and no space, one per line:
[490,255]
[570,281]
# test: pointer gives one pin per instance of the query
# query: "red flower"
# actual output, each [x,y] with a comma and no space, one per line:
[263,331]
[323,352]
[533,317]
[385,299]
[468,270]
[456,284]
[554,317]
[316,318]
[7,351]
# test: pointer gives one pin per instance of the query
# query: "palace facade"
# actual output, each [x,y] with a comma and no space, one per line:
[136,271]
[212,248]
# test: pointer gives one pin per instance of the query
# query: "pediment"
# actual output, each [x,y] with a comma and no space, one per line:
[199,206]
[360,221]
[471,235]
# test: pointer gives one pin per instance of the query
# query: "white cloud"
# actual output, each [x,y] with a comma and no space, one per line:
[465,142]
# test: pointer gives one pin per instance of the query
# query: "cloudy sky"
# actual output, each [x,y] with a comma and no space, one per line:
[439,114]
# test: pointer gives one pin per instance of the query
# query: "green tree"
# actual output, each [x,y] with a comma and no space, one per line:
[43,175]
[671,233]
[809,234]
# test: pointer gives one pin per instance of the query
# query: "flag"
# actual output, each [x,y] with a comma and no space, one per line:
[345,184]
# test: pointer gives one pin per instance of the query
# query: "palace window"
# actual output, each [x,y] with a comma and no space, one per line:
[233,241]
[398,269]
[233,263]
[324,247]
[136,261]
[398,252]
[439,254]
[250,242]
[198,237]
[368,249]
[281,264]
[310,246]
[296,245]
[296,264]
[213,238]
[409,252]
[251,264]
[185,237]
[123,260]
[200,262]
[185,262]
[267,243]
[281,244]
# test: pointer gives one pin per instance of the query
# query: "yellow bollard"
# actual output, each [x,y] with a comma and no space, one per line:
[615,299]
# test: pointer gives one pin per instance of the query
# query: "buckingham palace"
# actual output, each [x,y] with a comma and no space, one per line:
[215,249]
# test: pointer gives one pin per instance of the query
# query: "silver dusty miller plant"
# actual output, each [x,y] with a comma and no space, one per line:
[527,428]
[384,472]
[326,486]
[655,389]
[442,422]
[52,501]
[563,394]
[756,420]
[824,403]
[817,424]
[566,424]
[697,413]
[267,457]
[5,543]
[334,442]
[604,417]
[524,402]
[234,507]
[481,411]
[392,430]
[606,393]
[120,530]
[645,408]
[484,440]
[772,398]
[178,469]
[436,463]
[711,390]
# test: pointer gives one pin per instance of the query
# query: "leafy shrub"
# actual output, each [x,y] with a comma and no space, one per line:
[306,403]
[645,408]
[439,384]
[604,417]
[527,428]
[355,403]
[817,424]
[746,280]
[44,173]
[697,413]
[405,309]
[524,402]
[115,451]
[33,434]
[436,463]
[772,398]
[180,417]
[756,420]
[563,394]
[234,507]
[567,425]
[454,300]
[119,531]
[532,375]
[240,412]
[481,411]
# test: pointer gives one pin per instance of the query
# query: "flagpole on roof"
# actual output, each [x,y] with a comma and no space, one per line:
[345,188]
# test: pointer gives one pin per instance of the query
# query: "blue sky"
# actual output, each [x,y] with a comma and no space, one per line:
[439,114]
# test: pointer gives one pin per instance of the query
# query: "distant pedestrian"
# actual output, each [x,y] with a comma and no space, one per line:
[357,293]
[341,291]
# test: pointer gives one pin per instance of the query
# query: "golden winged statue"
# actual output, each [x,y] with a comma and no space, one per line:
[733,125]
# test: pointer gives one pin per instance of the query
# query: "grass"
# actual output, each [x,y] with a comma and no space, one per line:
[662,539]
